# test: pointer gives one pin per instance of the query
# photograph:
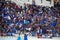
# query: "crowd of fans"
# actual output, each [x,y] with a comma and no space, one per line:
[32,19]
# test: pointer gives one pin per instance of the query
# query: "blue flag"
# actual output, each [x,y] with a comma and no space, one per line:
[25,37]
[19,38]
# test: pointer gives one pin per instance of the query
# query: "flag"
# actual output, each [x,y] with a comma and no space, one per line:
[19,38]
[25,37]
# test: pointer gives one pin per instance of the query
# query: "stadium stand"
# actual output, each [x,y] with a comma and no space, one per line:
[31,19]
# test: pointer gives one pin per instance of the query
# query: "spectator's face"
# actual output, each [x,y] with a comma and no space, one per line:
[29,12]
[16,14]
[24,17]
[8,12]
[9,27]
[38,19]
[10,30]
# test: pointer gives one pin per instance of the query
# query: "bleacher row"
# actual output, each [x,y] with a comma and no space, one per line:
[31,19]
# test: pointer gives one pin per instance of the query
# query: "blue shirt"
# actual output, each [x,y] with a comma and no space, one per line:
[52,24]
[26,22]
[25,37]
